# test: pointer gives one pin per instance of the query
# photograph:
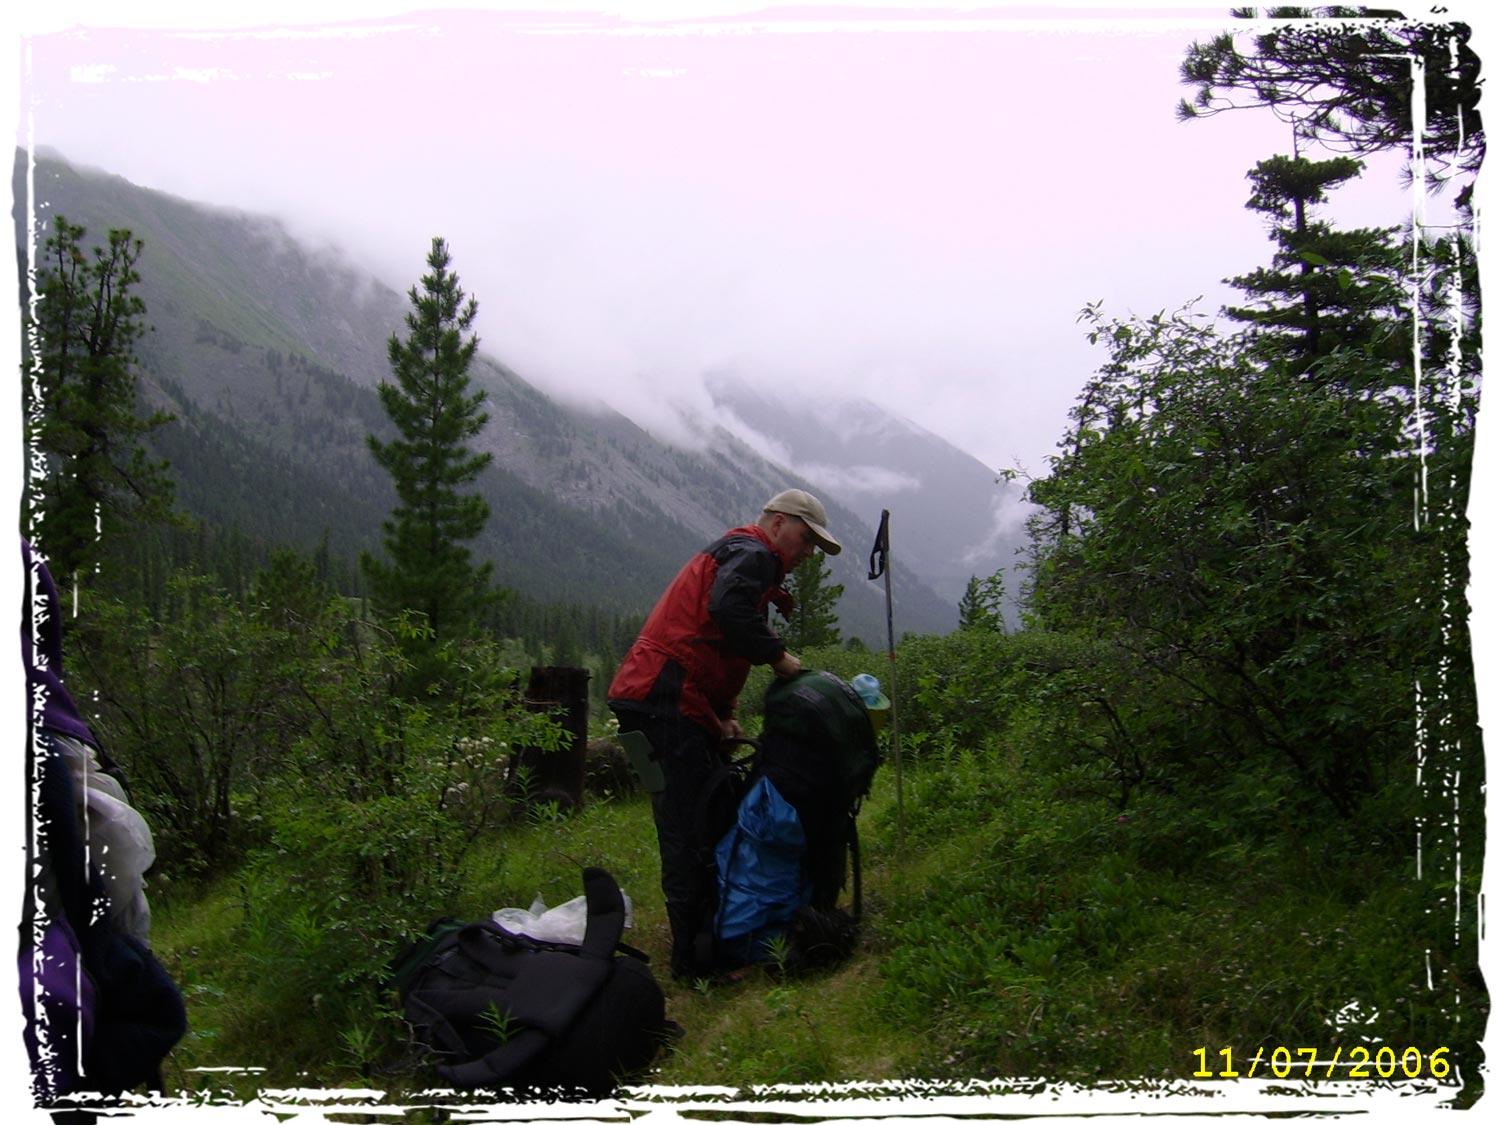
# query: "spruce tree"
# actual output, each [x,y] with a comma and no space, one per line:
[815,620]
[429,570]
[90,474]
[1325,288]
[980,607]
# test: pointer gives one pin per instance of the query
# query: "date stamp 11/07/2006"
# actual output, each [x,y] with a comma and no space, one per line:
[1384,1063]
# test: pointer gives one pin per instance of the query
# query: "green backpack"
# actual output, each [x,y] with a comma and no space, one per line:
[819,710]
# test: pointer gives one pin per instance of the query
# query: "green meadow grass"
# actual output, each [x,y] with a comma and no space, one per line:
[1012,928]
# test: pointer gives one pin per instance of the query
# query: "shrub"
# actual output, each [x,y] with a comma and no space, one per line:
[371,825]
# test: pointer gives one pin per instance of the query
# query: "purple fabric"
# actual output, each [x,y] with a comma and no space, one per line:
[41,650]
[67,1000]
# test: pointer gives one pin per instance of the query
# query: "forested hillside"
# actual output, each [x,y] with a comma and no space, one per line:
[268,351]
[954,524]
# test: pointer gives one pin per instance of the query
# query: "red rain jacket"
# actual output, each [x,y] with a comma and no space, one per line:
[696,648]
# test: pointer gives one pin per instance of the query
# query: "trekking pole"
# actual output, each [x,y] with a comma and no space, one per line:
[880,564]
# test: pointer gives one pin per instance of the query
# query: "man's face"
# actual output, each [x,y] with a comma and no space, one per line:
[793,538]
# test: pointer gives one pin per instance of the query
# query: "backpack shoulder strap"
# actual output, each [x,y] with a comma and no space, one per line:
[733,776]
[605,922]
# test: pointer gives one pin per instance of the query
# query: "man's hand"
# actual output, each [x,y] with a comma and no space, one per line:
[786,665]
[732,728]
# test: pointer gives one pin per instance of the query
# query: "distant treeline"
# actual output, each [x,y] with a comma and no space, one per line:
[139,569]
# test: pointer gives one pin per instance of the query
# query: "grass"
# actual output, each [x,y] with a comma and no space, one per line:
[1017,932]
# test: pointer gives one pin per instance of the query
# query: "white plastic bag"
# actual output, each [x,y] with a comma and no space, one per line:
[564,923]
[116,835]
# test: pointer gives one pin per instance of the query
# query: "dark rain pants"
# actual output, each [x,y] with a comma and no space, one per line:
[686,831]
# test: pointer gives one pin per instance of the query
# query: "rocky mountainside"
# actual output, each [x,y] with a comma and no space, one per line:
[952,517]
[268,352]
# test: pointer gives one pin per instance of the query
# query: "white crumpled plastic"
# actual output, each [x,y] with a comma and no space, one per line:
[117,836]
[562,923]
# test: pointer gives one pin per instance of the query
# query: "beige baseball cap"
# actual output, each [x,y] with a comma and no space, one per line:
[809,509]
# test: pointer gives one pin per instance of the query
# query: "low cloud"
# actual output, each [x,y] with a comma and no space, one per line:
[873,479]
[1008,515]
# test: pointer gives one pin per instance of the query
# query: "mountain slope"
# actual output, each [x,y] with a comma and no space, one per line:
[268,352]
[951,518]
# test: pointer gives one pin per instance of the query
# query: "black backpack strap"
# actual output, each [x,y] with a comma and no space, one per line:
[857,890]
[734,776]
[605,923]
[725,877]
[544,1001]
[496,1068]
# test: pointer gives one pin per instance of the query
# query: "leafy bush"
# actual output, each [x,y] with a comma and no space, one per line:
[1242,530]
[370,826]
[201,707]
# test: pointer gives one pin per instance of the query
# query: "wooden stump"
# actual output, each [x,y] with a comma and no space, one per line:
[557,775]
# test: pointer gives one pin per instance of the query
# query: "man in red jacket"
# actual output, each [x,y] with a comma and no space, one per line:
[681,680]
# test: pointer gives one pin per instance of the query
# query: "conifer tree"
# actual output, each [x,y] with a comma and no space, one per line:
[82,415]
[980,607]
[1325,287]
[1344,77]
[815,620]
[429,569]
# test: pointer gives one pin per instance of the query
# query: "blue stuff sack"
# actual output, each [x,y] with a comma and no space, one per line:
[761,877]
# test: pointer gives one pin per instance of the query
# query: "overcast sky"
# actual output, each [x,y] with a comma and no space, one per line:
[886,198]
[893,201]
